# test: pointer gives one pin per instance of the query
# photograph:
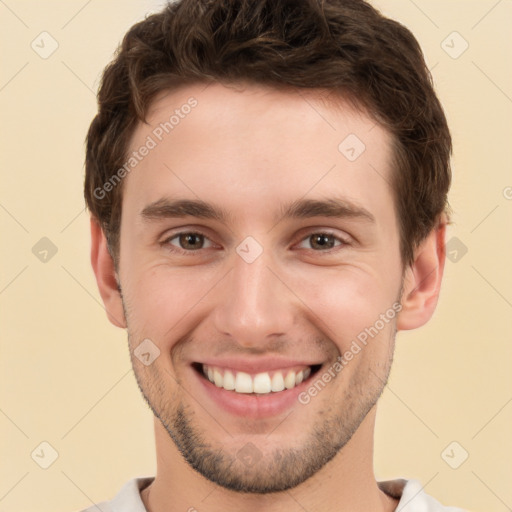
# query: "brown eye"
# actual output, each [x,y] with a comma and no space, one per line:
[322,241]
[188,241]
[191,241]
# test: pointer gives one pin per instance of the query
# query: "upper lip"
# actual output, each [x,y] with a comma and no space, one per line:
[256,365]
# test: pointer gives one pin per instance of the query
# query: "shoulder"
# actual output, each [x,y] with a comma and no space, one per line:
[104,506]
[413,498]
[126,500]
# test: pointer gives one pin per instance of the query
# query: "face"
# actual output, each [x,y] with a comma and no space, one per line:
[259,245]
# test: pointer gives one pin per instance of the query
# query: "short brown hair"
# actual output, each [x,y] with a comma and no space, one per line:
[343,46]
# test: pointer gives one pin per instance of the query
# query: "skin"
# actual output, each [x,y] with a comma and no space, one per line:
[252,150]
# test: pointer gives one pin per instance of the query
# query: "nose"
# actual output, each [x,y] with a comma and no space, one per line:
[255,305]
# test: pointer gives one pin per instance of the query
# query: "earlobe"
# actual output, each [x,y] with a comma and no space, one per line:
[104,270]
[422,281]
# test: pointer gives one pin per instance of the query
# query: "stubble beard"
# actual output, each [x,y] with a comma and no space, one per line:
[279,469]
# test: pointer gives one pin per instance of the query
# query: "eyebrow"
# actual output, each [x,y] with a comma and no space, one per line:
[299,209]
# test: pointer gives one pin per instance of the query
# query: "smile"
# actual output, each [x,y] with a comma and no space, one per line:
[261,383]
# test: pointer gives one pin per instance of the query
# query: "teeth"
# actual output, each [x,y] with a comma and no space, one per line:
[277,382]
[289,380]
[262,383]
[243,383]
[217,378]
[229,381]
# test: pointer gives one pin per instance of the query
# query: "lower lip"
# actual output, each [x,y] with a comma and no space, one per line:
[253,405]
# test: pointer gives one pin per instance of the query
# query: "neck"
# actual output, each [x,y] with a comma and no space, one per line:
[346,483]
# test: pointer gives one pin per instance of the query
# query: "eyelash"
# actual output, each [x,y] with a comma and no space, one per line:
[185,252]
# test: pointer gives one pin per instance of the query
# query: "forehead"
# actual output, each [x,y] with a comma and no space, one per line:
[242,143]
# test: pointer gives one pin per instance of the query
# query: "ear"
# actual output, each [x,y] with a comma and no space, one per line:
[105,273]
[422,282]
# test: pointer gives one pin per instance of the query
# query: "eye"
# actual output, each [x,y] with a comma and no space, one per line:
[188,241]
[322,241]
[192,241]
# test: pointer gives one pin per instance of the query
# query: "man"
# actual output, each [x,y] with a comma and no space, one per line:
[267,182]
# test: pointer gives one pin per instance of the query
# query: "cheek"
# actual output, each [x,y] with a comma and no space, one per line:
[349,302]
[159,299]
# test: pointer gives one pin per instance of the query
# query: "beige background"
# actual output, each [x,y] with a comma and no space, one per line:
[65,372]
